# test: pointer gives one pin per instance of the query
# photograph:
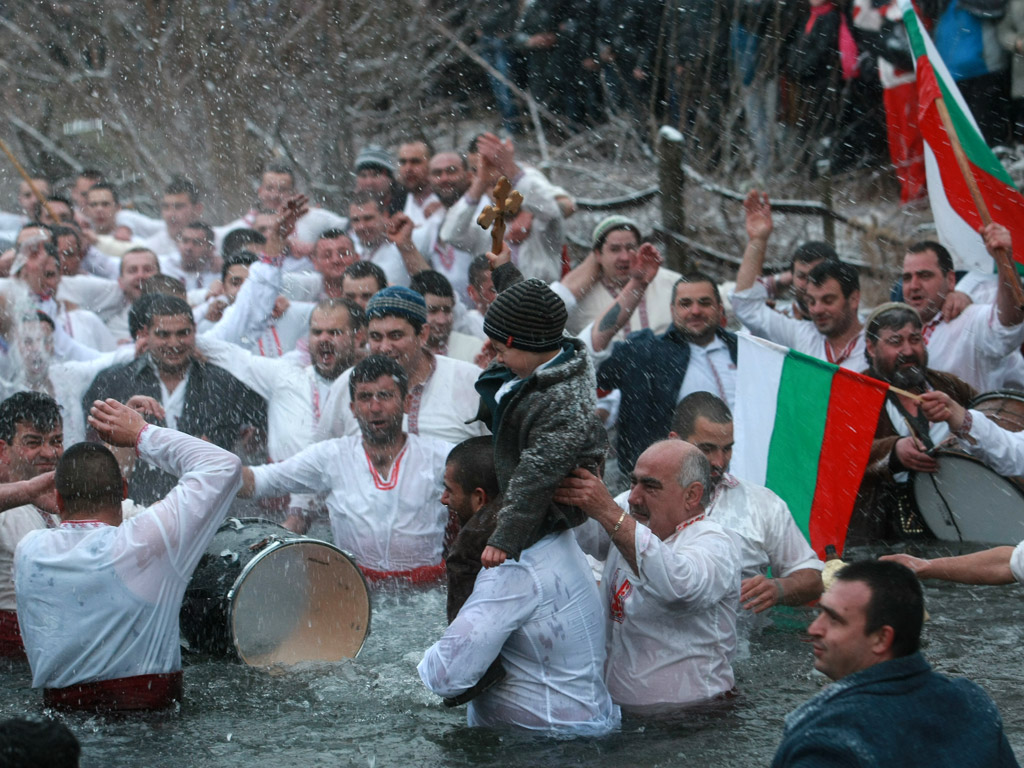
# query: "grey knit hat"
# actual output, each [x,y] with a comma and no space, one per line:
[528,316]
[398,302]
[373,156]
[610,224]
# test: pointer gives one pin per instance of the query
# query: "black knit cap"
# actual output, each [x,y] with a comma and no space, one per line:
[528,316]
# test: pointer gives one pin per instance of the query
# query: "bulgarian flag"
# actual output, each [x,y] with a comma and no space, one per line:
[804,429]
[956,216]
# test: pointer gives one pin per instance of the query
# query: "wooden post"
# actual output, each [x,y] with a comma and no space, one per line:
[670,182]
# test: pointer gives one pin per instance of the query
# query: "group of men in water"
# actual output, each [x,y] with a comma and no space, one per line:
[448,408]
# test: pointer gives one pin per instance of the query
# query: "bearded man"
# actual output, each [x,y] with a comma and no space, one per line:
[904,438]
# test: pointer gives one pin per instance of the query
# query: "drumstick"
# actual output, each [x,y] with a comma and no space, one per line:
[904,393]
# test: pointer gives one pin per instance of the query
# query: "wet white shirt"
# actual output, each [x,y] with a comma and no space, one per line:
[448,401]
[976,347]
[654,310]
[999,448]
[543,617]
[768,535]
[97,602]
[672,627]
[386,256]
[388,524]
[16,524]
[295,393]
[801,335]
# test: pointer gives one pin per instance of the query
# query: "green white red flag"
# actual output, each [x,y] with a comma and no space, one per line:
[804,429]
[956,216]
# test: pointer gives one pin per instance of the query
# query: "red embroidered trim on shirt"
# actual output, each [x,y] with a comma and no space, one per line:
[380,483]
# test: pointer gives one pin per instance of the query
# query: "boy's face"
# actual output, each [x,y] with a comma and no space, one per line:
[519,361]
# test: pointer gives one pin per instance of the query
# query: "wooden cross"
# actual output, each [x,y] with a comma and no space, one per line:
[507,203]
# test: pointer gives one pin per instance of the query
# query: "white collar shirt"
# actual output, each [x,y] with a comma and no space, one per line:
[542,616]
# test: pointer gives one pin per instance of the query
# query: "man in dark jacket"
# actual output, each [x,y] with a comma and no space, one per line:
[655,372]
[888,707]
[198,398]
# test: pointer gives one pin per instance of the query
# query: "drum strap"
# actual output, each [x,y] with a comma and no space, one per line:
[917,421]
[122,694]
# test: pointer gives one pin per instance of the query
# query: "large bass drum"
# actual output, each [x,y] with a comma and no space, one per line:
[1005,408]
[272,597]
[966,501]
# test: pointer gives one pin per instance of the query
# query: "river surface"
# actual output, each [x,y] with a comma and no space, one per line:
[373,710]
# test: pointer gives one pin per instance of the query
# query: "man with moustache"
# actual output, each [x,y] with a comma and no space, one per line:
[766,532]
[443,401]
[449,180]
[896,354]
[296,392]
[383,485]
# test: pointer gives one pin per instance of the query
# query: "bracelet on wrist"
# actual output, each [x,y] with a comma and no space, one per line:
[619,524]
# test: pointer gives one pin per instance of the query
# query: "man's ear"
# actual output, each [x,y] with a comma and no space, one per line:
[60,503]
[477,499]
[694,493]
[883,640]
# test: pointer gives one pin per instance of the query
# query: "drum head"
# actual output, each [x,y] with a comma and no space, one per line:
[299,600]
[967,501]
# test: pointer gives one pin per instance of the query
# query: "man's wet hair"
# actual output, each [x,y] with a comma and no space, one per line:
[99,185]
[896,601]
[163,284]
[238,239]
[92,174]
[180,185]
[813,250]
[472,463]
[333,234]
[74,232]
[35,408]
[941,253]
[139,313]
[139,249]
[356,315]
[87,477]
[892,319]
[695,468]
[418,140]
[39,317]
[696,277]
[206,229]
[165,306]
[844,274]
[233,259]
[478,267]
[432,282]
[372,368]
[277,167]
[362,269]
[37,744]
[366,197]
[696,405]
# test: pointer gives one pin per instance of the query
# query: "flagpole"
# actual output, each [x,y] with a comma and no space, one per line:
[1002,257]
[28,179]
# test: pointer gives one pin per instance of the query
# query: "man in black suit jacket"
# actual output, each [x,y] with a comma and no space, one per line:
[199,399]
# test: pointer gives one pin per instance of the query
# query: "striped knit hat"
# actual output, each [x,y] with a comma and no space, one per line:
[528,316]
[396,301]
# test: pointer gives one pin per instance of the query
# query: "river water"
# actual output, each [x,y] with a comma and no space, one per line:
[373,711]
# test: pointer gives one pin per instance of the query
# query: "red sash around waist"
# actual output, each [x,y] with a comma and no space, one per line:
[421,575]
[122,694]
[11,646]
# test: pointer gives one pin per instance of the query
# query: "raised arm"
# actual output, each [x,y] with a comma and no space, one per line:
[999,244]
[644,266]
[759,229]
